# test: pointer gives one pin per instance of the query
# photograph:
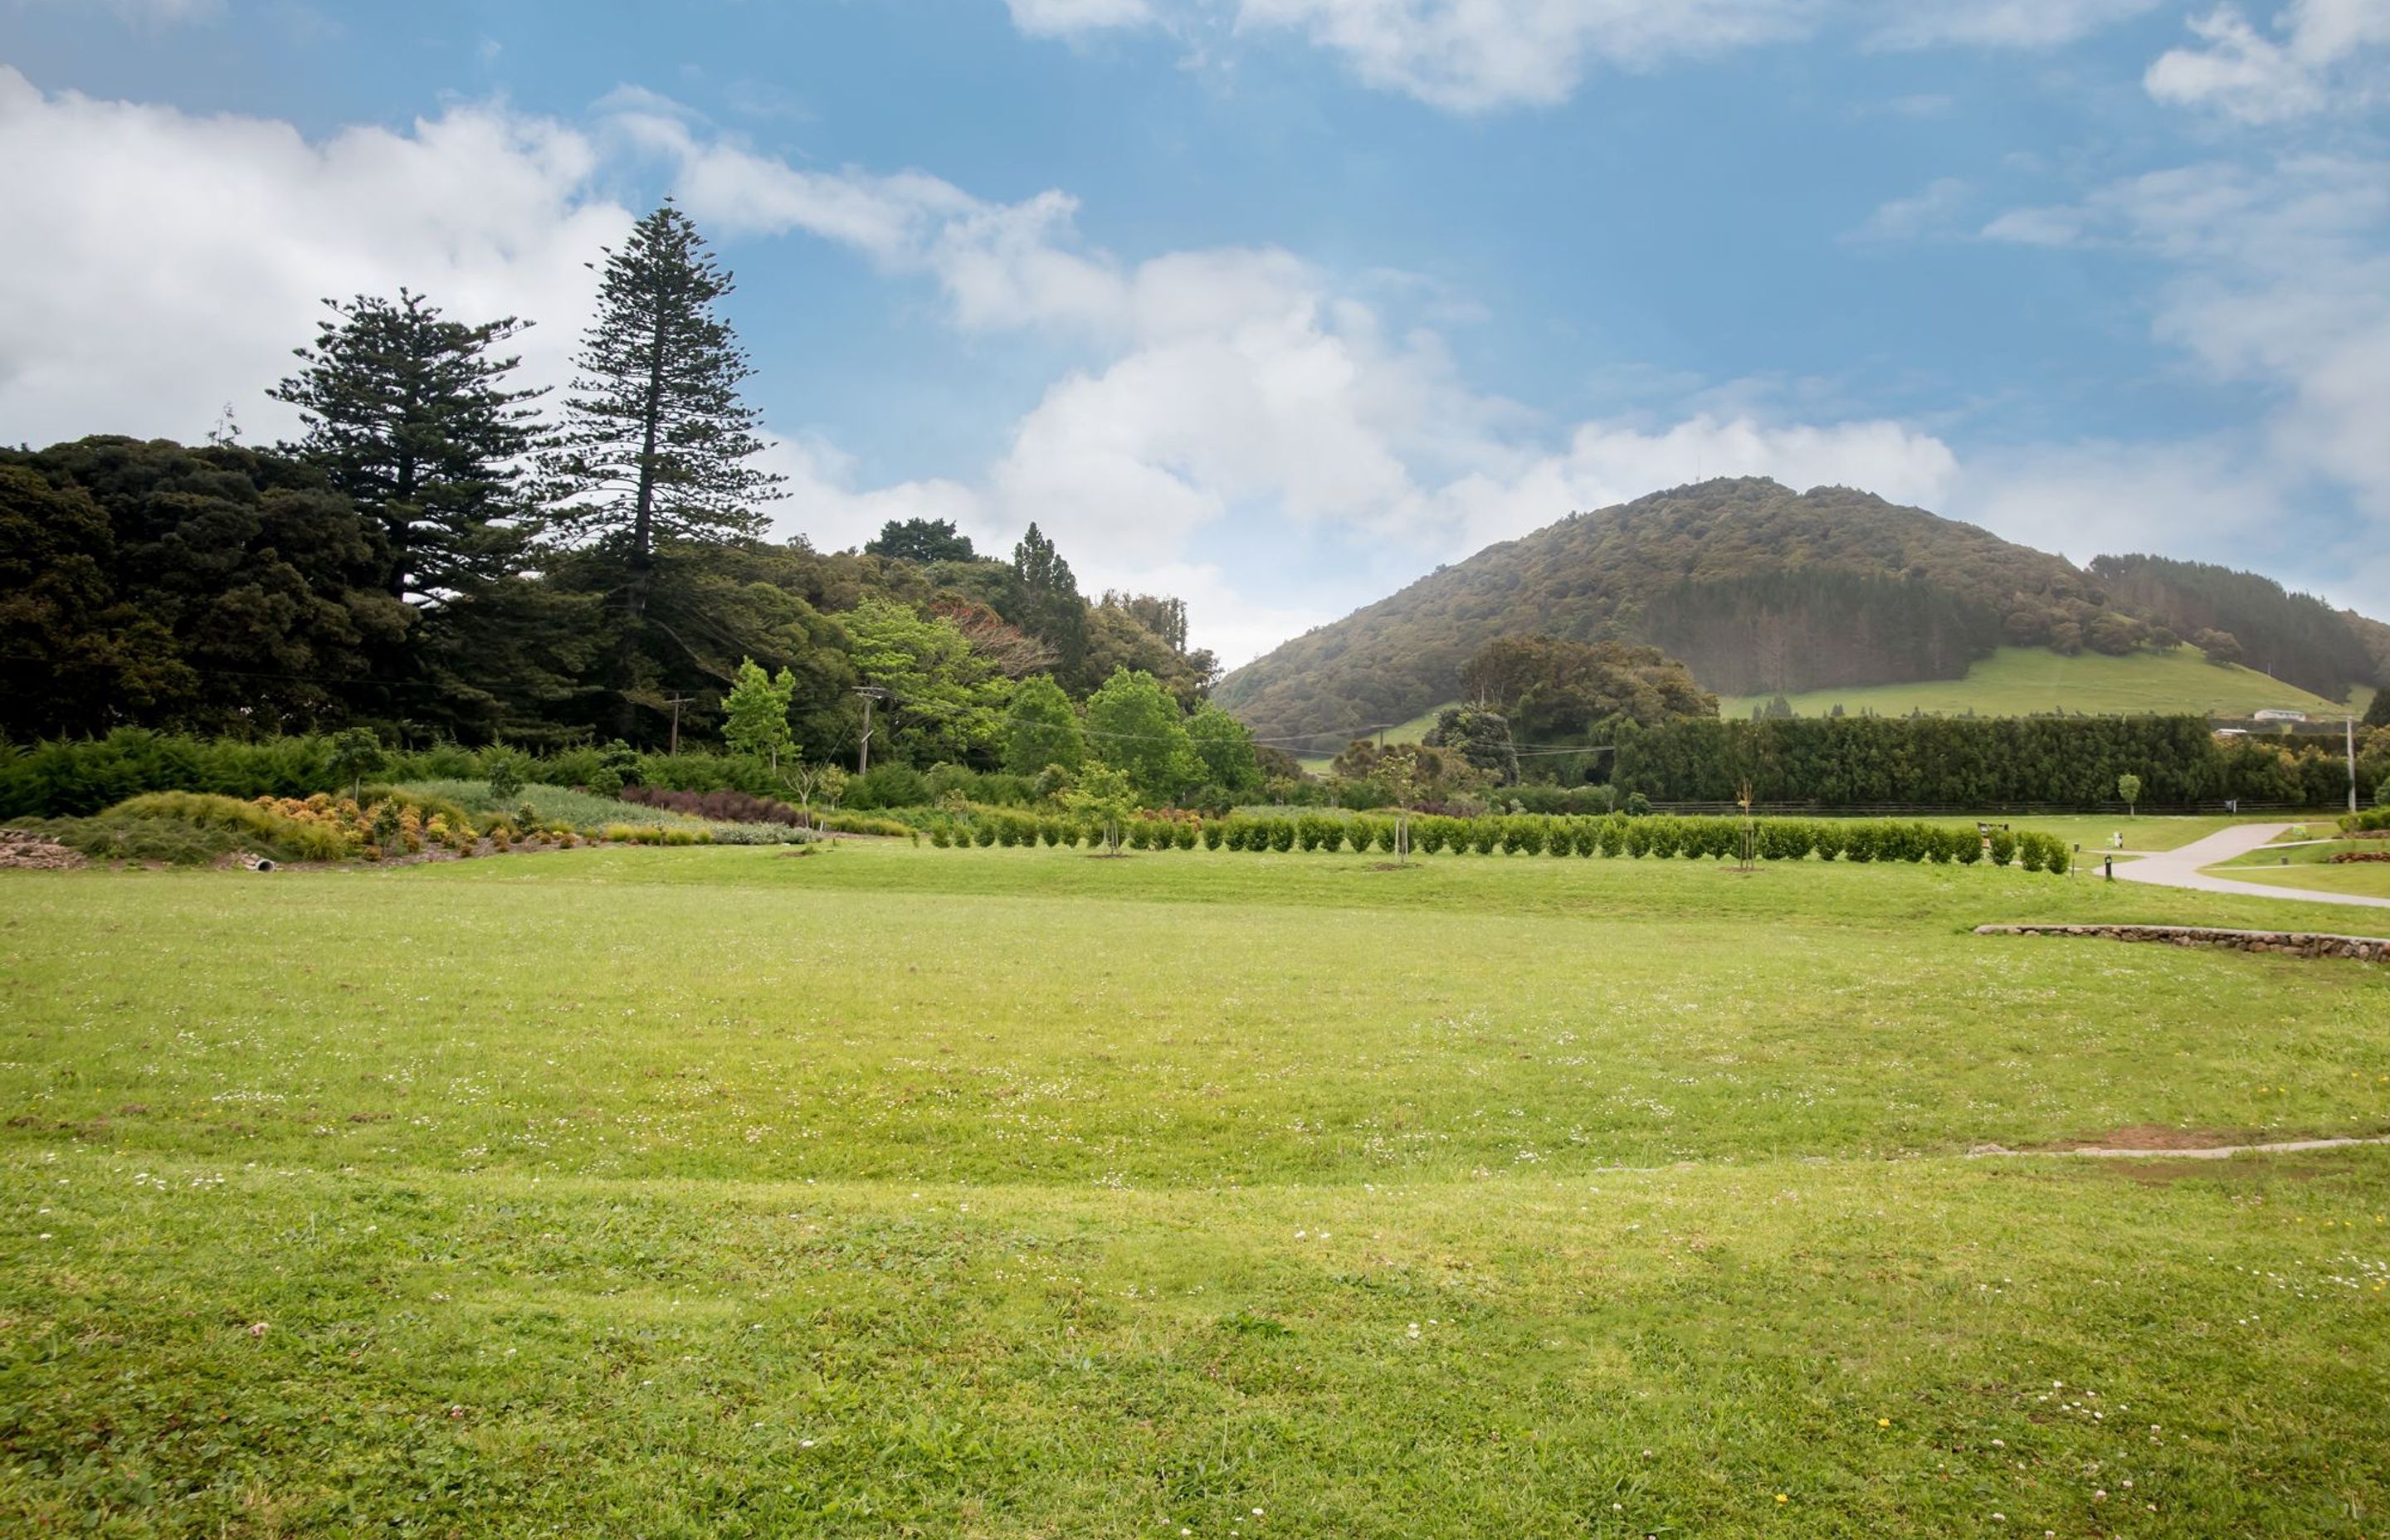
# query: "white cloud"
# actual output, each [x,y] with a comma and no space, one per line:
[179,259]
[1607,462]
[1931,211]
[1071,18]
[2318,58]
[2279,284]
[2000,23]
[1472,55]
[1476,55]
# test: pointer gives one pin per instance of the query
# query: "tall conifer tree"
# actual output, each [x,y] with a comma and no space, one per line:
[410,416]
[657,444]
[1050,608]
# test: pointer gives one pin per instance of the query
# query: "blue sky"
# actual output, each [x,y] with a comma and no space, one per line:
[1277,303]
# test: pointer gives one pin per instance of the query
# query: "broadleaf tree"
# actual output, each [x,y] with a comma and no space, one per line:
[1042,728]
[1133,726]
[1224,746]
[755,712]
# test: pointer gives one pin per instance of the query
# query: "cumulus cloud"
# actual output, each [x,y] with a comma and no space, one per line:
[179,258]
[2279,282]
[2321,54]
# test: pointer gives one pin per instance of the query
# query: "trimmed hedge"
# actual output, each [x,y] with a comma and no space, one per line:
[1658,837]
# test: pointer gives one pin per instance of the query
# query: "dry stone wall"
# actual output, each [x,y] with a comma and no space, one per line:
[2299,944]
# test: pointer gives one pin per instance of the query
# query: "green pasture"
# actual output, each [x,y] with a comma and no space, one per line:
[2018,681]
[2308,867]
[886,1190]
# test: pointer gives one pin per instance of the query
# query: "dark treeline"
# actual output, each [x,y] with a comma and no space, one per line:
[1804,628]
[2296,637]
[1977,763]
[444,556]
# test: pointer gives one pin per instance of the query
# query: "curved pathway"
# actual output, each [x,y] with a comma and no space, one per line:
[2179,869]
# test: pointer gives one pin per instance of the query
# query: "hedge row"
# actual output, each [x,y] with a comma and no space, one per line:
[1536,834]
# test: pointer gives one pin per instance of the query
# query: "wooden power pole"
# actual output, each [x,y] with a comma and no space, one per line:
[862,755]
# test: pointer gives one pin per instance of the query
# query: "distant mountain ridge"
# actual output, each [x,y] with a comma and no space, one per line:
[1761,589]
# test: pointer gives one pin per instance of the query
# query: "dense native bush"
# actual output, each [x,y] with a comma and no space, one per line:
[1281,836]
[2004,847]
[887,783]
[2373,818]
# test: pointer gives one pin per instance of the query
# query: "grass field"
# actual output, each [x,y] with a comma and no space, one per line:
[2019,681]
[892,1191]
[1413,731]
[2308,867]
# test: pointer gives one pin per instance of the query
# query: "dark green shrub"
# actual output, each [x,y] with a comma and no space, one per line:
[887,783]
[1638,805]
[1214,831]
[1183,834]
[1522,834]
[1859,842]
[1610,834]
[1667,834]
[1826,837]
[2004,847]
[1485,834]
[982,830]
[1281,835]
[1967,847]
[1432,834]
[1384,831]
[1638,837]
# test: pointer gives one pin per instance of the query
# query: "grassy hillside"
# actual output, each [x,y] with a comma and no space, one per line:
[1208,1195]
[2018,681]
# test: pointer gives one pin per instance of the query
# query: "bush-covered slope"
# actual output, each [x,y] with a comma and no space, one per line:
[1762,590]
[1757,587]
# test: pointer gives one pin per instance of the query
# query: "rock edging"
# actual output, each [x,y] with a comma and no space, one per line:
[2298,943]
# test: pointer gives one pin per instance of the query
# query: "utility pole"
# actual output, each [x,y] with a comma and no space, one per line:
[2349,724]
[862,755]
[676,703]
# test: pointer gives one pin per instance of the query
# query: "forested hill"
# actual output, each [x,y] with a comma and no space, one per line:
[1758,589]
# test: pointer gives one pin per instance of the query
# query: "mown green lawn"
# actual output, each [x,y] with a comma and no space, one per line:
[2308,867]
[2017,681]
[891,1191]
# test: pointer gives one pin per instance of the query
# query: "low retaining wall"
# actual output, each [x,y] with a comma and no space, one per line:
[2298,943]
